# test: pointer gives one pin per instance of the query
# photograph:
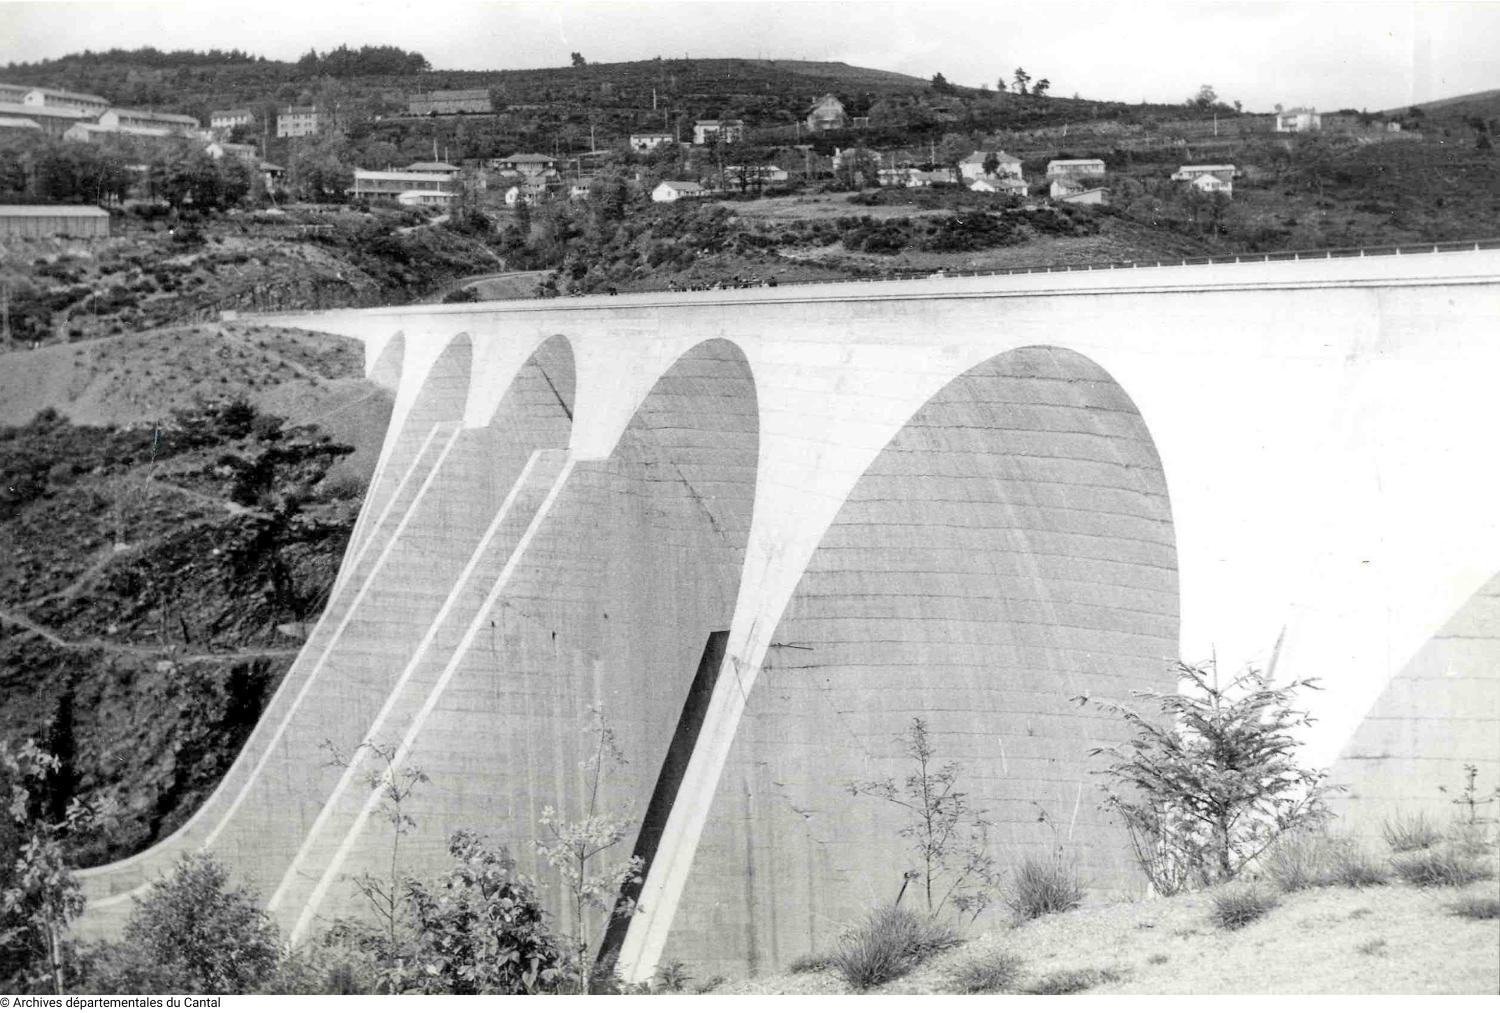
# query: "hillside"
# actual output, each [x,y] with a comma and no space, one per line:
[1391,939]
[175,508]
[1483,104]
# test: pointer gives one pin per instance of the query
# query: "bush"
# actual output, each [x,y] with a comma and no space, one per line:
[1410,833]
[1210,779]
[1041,887]
[1444,866]
[482,931]
[1479,908]
[192,933]
[1236,908]
[891,943]
[997,972]
[1299,860]
[1351,864]
[1071,982]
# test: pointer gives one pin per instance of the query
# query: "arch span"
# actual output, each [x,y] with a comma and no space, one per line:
[606,594]
[388,593]
[1010,548]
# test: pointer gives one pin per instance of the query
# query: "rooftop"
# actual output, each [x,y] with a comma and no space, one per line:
[46,112]
[52,210]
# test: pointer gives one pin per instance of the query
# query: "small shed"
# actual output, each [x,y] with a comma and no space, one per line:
[38,221]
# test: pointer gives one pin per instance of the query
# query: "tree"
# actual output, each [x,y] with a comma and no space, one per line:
[1001,84]
[482,930]
[1040,88]
[1206,98]
[386,896]
[991,163]
[575,849]
[1022,80]
[578,60]
[1209,778]
[39,894]
[947,833]
[193,933]
[941,86]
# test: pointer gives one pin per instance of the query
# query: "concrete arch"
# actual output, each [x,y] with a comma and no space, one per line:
[386,597]
[1011,547]
[604,589]
[386,361]
[438,403]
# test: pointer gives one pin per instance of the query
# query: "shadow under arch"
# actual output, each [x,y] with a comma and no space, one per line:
[1010,548]
[1437,715]
[439,402]
[627,569]
[389,364]
[264,806]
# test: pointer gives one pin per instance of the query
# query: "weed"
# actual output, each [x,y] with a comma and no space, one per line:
[892,942]
[1158,958]
[997,972]
[1072,982]
[1476,907]
[1039,887]
[809,963]
[1351,864]
[1234,909]
[709,984]
[1410,833]
[671,977]
[1445,866]
[1361,912]
[1372,948]
[1298,860]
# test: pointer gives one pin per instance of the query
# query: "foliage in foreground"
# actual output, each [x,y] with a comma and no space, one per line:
[947,834]
[1042,887]
[1209,778]
[191,933]
[1447,865]
[891,943]
[1306,858]
[993,972]
[1239,906]
[1071,982]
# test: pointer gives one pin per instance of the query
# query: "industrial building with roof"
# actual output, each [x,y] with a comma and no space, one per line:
[449,103]
[43,221]
[404,187]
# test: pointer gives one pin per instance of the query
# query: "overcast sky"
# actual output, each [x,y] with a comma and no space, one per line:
[1356,53]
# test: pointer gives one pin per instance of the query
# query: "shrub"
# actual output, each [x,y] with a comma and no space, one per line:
[193,933]
[1474,906]
[1410,833]
[482,931]
[1041,887]
[1444,866]
[1236,908]
[1299,860]
[671,977]
[1071,982]
[1351,864]
[1209,780]
[809,963]
[996,972]
[891,943]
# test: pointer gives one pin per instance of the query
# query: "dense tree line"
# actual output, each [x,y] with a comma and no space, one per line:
[366,61]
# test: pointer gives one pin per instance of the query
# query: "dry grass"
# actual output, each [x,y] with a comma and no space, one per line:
[1043,887]
[1238,906]
[1447,865]
[891,942]
[1307,945]
[1479,908]
[1410,832]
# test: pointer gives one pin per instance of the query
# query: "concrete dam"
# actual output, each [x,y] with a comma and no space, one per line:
[763,530]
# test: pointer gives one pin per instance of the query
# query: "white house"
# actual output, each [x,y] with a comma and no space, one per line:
[999,184]
[933,178]
[172,123]
[756,173]
[219,149]
[727,131]
[1208,183]
[1093,195]
[1188,173]
[400,186]
[973,166]
[1298,120]
[669,190]
[225,120]
[1074,168]
[641,143]
[827,113]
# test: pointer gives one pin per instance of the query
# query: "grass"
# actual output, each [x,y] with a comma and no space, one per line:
[809,963]
[997,972]
[891,943]
[1479,908]
[1239,906]
[1372,948]
[1041,887]
[1306,859]
[1445,866]
[1410,833]
[1071,982]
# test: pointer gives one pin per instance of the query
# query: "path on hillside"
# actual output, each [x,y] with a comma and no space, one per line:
[55,638]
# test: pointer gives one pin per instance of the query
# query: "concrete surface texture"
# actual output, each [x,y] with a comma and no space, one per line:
[963,499]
